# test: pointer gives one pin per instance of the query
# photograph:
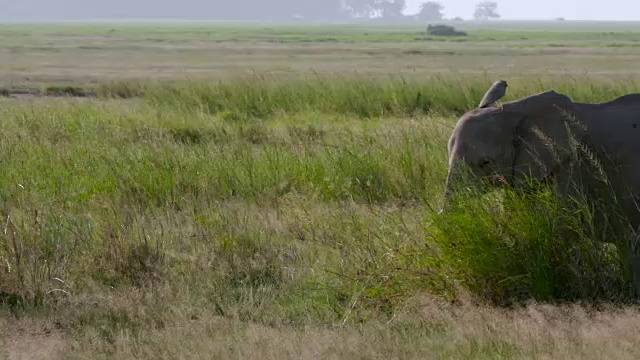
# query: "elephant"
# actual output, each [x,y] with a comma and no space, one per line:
[541,138]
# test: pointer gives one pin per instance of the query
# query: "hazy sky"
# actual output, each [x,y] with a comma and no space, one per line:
[509,9]
[546,9]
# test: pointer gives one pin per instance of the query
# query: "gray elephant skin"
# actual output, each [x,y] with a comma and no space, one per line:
[541,138]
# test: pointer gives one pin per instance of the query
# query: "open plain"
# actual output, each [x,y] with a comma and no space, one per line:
[258,191]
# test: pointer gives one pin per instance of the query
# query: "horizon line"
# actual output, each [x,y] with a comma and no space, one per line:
[150,19]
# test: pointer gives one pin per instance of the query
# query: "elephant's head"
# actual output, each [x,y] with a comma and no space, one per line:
[510,144]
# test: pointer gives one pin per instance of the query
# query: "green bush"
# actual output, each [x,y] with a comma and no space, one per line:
[444,30]
[535,247]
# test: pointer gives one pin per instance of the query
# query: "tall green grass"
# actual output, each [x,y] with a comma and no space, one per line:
[541,248]
[262,96]
[297,203]
[121,194]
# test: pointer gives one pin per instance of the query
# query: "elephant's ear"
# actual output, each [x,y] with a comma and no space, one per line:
[544,140]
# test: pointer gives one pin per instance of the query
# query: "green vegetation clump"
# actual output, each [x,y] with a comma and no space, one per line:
[536,247]
[67,90]
[444,30]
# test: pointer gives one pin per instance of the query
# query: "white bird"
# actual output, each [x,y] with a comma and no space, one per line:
[495,93]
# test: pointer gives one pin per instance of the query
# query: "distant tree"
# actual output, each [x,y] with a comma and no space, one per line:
[374,8]
[392,9]
[358,8]
[457,18]
[430,11]
[559,19]
[486,10]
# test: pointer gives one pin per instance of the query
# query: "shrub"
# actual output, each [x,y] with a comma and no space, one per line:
[68,90]
[444,30]
[536,247]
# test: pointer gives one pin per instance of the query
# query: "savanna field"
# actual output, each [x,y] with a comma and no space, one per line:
[221,190]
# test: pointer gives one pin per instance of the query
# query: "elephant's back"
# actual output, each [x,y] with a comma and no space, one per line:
[628,100]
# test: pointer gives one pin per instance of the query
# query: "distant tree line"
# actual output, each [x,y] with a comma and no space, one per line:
[337,9]
[340,9]
[430,10]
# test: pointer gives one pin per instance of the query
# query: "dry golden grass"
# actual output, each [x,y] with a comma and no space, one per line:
[430,330]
